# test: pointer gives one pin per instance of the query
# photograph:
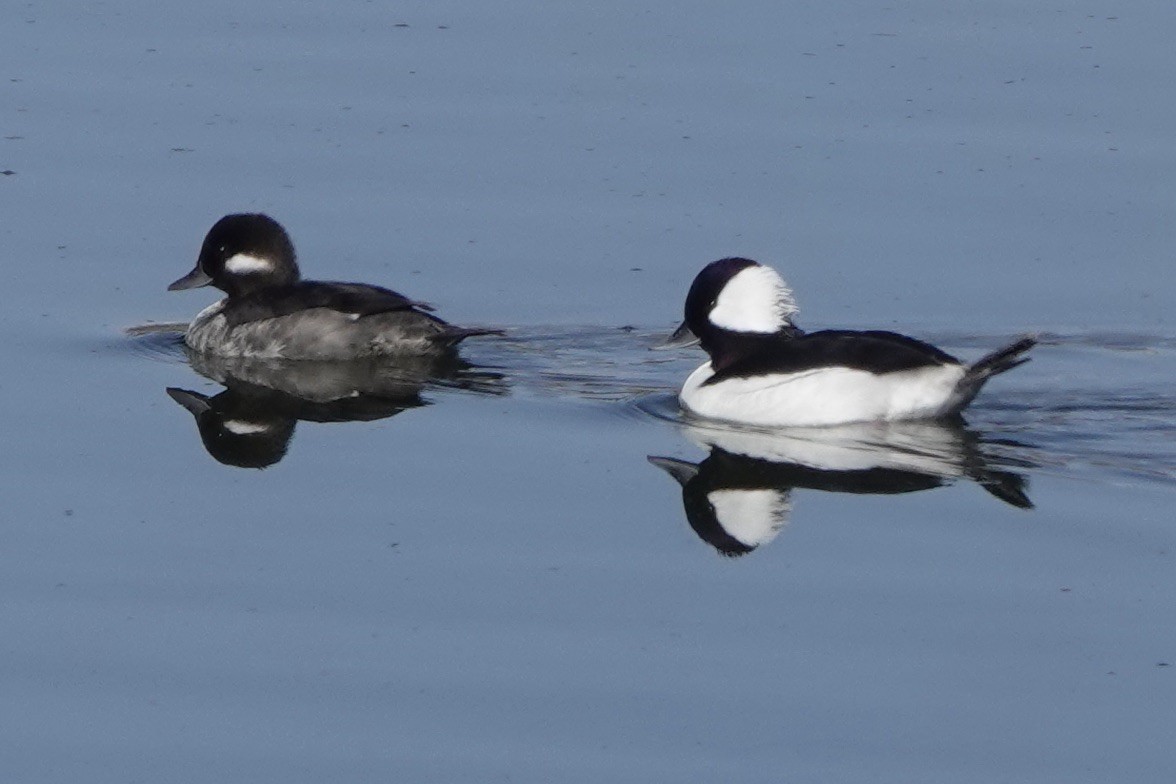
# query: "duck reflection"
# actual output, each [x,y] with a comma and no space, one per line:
[739,497]
[251,422]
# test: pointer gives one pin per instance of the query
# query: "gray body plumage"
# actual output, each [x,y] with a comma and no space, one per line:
[271,313]
[322,334]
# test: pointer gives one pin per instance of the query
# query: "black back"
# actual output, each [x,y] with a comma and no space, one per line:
[735,355]
[352,298]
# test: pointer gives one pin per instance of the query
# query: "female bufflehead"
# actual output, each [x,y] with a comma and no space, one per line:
[269,312]
[765,371]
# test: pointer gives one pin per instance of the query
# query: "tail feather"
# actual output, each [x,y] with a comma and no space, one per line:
[454,335]
[1001,360]
[988,366]
[1006,486]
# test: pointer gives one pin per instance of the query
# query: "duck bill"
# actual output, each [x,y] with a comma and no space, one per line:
[681,338]
[193,280]
[681,470]
[195,402]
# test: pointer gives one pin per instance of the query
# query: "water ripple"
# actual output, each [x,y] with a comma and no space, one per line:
[160,342]
[1091,404]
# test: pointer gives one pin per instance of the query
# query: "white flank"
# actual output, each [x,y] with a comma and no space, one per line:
[751,516]
[755,300]
[244,264]
[240,427]
[823,396]
[925,446]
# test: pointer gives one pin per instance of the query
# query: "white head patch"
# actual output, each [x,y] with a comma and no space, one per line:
[244,264]
[751,516]
[756,299]
[241,427]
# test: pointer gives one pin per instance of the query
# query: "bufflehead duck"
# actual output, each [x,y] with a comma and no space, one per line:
[271,313]
[740,497]
[765,371]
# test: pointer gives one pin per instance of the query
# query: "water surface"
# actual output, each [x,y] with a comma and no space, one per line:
[476,574]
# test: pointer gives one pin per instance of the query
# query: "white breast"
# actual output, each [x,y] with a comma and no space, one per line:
[823,396]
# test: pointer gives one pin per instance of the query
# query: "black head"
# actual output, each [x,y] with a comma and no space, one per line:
[242,253]
[711,499]
[737,299]
[708,284]
[236,429]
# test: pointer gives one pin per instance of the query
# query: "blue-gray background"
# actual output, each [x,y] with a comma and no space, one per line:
[499,587]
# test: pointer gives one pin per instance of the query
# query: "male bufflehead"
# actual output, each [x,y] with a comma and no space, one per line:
[765,371]
[740,497]
[270,313]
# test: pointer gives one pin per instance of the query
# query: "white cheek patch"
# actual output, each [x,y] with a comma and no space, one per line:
[756,299]
[240,427]
[244,264]
[751,516]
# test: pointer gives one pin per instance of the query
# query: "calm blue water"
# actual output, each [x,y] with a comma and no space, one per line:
[478,575]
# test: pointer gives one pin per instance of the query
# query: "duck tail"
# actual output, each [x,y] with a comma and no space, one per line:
[991,365]
[1000,360]
[1007,486]
[454,335]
